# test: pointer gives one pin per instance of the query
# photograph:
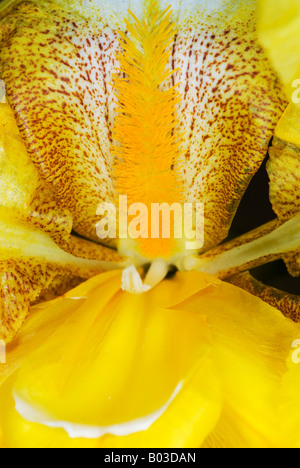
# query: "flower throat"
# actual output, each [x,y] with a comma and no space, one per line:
[147,146]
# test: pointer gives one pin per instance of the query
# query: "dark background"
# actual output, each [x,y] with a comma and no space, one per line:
[254,211]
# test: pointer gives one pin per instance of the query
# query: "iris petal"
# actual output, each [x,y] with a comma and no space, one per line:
[100,357]
[278,28]
[35,236]
[231,100]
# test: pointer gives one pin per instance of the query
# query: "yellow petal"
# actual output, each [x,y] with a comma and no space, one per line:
[252,342]
[288,127]
[289,409]
[284,172]
[29,263]
[134,364]
[278,27]
[105,359]
[233,431]
[231,100]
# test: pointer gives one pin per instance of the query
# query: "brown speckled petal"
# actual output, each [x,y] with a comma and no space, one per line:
[231,104]
[284,172]
[58,68]
[32,266]
[263,245]
[22,190]
[30,218]
[21,283]
[288,304]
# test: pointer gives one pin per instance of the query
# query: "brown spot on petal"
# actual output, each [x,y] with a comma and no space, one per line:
[57,80]
[21,283]
[284,173]
[232,102]
[288,304]
[32,267]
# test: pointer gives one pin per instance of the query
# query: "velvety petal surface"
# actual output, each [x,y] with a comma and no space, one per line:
[37,251]
[278,28]
[100,367]
[57,60]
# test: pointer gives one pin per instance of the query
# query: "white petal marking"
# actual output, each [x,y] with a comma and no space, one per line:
[36,414]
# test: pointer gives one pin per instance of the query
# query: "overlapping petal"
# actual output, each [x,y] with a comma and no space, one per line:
[252,343]
[231,104]
[278,28]
[284,172]
[22,190]
[290,401]
[288,304]
[33,231]
[100,367]
[65,108]
[30,262]
[57,69]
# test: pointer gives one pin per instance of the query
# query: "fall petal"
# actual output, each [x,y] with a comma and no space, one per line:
[288,304]
[290,399]
[138,378]
[30,261]
[278,28]
[149,372]
[252,344]
[233,431]
[32,231]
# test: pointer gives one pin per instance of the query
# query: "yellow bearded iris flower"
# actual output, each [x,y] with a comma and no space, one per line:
[166,106]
